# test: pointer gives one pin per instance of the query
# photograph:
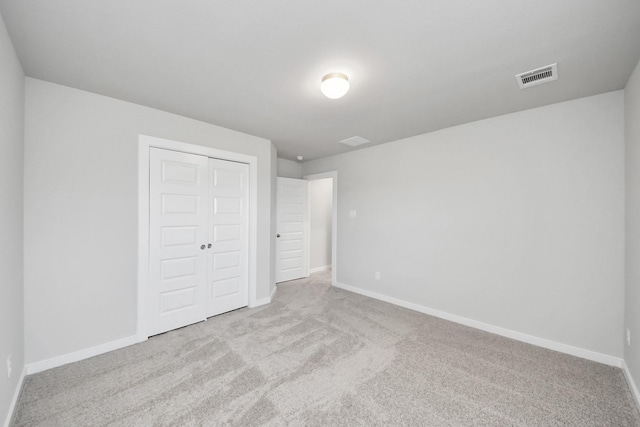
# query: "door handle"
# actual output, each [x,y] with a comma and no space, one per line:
[209,246]
[202,247]
[277,235]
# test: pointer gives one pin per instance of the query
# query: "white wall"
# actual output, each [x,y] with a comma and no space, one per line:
[289,169]
[81,212]
[632,289]
[515,221]
[320,213]
[11,223]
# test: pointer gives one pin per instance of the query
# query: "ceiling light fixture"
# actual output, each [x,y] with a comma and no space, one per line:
[334,85]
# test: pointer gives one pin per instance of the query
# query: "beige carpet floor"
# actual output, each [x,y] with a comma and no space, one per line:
[320,356]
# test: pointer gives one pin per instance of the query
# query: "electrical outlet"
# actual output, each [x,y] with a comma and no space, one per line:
[628,337]
[377,275]
[9,366]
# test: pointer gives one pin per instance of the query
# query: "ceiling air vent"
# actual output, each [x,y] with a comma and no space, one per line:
[354,141]
[538,76]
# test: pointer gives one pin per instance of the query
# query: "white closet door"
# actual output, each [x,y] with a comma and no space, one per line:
[177,239]
[228,280]
[292,238]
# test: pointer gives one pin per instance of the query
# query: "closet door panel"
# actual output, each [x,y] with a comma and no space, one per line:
[229,236]
[178,221]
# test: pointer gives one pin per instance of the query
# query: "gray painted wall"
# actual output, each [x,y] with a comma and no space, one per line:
[320,212]
[516,221]
[11,225]
[81,212]
[289,169]
[632,289]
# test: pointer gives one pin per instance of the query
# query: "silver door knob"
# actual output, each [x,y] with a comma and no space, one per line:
[209,246]
[277,235]
[202,247]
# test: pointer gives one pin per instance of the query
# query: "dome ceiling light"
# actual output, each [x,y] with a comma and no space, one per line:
[334,85]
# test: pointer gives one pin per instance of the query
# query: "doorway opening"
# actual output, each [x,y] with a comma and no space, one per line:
[320,224]
[323,222]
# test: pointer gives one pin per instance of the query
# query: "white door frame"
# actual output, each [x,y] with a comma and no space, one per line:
[145,142]
[334,219]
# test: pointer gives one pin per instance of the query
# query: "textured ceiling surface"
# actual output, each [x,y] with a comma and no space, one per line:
[414,66]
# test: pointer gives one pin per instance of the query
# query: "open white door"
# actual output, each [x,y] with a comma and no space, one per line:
[292,238]
[178,192]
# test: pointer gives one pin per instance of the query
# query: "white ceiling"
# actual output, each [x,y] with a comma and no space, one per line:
[255,66]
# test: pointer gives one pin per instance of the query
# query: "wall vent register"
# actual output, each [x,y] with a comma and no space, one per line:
[354,141]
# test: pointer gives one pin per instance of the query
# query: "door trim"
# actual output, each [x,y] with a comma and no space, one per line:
[145,142]
[334,220]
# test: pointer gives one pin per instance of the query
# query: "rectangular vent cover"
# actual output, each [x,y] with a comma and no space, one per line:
[354,141]
[538,76]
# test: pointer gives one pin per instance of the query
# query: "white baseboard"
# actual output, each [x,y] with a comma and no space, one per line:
[14,400]
[632,383]
[318,269]
[530,339]
[54,362]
